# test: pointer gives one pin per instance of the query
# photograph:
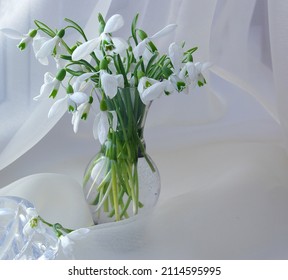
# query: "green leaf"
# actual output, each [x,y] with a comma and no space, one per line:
[150,63]
[74,73]
[77,27]
[101,23]
[133,28]
[45,28]
[192,50]
[66,57]
[122,70]
[152,46]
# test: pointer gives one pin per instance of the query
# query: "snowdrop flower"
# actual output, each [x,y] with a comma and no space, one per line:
[51,85]
[73,99]
[67,241]
[177,78]
[102,125]
[150,89]
[176,56]
[110,83]
[33,224]
[195,72]
[81,113]
[47,47]
[113,24]
[25,38]
[140,48]
[76,100]
[37,44]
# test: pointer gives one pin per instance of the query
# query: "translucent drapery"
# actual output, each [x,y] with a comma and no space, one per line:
[23,121]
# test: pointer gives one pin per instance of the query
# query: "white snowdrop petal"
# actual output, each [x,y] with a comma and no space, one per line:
[166,30]
[141,84]
[109,84]
[76,120]
[192,71]
[79,97]
[103,127]
[44,61]
[48,78]
[176,55]
[79,80]
[45,91]
[152,92]
[120,45]
[12,34]
[114,23]
[57,106]
[47,48]
[85,49]
[140,48]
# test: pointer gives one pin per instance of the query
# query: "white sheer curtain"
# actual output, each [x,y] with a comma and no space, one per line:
[23,121]
[277,18]
[219,150]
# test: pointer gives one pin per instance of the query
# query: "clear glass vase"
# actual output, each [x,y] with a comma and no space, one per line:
[122,180]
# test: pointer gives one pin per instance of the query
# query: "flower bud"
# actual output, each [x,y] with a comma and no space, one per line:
[142,34]
[32,33]
[61,33]
[103,105]
[103,64]
[190,57]
[69,89]
[90,100]
[140,74]
[61,75]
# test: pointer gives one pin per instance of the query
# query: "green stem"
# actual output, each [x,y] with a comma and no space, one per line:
[115,191]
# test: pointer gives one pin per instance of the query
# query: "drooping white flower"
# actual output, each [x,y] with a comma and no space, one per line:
[178,78]
[73,100]
[77,101]
[102,123]
[176,56]
[51,85]
[195,72]
[67,241]
[80,113]
[37,44]
[25,38]
[47,47]
[140,48]
[150,89]
[33,223]
[113,24]
[110,83]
